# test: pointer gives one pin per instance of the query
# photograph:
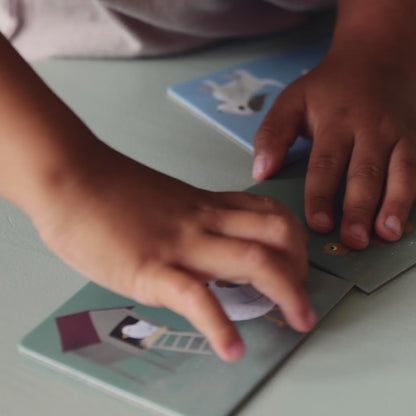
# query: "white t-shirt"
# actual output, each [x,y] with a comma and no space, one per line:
[117,28]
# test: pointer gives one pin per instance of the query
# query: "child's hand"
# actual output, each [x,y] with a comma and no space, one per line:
[136,231]
[158,241]
[360,113]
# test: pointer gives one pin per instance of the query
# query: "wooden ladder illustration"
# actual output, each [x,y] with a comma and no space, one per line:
[178,341]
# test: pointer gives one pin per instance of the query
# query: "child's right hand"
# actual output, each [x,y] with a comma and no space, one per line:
[138,232]
[159,241]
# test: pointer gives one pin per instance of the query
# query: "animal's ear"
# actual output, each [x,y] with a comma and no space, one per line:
[256,102]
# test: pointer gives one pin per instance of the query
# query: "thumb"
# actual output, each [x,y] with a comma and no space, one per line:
[277,133]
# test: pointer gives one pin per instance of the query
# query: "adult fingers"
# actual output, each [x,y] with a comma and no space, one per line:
[365,181]
[272,274]
[184,294]
[400,191]
[329,157]
[278,132]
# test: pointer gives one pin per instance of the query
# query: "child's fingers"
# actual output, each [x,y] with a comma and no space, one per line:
[181,292]
[329,157]
[241,261]
[292,300]
[281,232]
[400,191]
[365,180]
[258,203]
[278,132]
[262,204]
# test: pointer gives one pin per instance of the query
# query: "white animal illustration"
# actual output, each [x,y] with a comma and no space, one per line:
[240,302]
[139,330]
[242,95]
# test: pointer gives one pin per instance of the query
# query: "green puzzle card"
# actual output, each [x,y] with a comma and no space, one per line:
[368,269]
[155,358]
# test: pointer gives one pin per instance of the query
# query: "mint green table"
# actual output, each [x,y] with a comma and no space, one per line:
[360,361]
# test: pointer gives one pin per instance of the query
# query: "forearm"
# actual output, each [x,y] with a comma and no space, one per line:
[376,28]
[40,138]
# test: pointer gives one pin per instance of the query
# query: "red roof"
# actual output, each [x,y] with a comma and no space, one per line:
[78,331]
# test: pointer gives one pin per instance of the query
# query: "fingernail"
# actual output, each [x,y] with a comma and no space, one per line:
[235,351]
[321,219]
[393,224]
[311,319]
[259,166]
[359,232]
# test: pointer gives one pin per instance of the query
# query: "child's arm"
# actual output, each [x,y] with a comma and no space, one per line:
[138,232]
[359,107]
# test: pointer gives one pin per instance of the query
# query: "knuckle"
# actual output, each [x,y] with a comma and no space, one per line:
[193,293]
[367,170]
[212,217]
[333,119]
[255,256]
[322,164]
[264,201]
[279,225]
[268,202]
[404,166]
[288,231]
[189,230]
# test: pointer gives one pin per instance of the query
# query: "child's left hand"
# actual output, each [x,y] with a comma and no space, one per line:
[360,111]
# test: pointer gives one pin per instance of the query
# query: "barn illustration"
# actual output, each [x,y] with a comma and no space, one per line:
[110,336]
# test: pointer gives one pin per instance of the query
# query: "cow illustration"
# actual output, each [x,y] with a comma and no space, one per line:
[243,94]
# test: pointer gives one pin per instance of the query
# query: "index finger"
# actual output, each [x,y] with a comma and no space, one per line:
[189,296]
[278,131]
[276,276]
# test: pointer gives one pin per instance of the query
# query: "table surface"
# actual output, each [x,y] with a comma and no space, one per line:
[361,358]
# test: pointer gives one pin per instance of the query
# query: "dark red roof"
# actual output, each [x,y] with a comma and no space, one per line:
[78,331]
